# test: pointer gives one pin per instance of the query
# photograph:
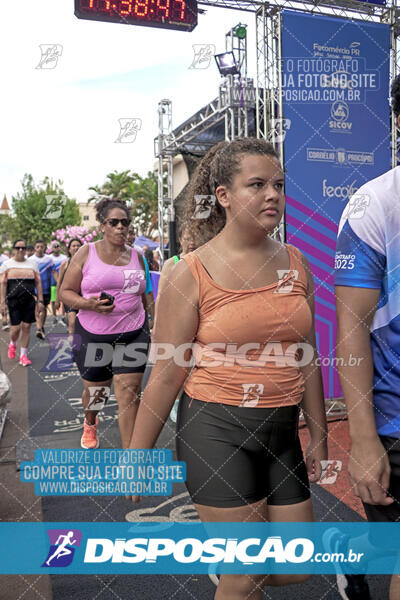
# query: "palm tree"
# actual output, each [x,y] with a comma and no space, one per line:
[116,185]
[144,194]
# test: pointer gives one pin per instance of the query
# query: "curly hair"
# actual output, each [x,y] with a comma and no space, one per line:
[104,206]
[204,217]
[395,95]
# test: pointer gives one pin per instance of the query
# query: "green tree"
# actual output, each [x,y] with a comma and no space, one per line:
[140,193]
[144,207]
[39,210]
[116,185]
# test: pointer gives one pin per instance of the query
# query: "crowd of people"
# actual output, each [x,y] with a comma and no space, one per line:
[233,285]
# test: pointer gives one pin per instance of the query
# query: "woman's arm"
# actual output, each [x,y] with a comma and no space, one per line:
[369,467]
[177,324]
[166,270]
[313,404]
[3,291]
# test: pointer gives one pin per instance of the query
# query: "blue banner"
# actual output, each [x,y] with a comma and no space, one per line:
[336,135]
[196,548]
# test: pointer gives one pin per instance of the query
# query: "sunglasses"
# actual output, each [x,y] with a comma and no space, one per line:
[115,222]
[19,247]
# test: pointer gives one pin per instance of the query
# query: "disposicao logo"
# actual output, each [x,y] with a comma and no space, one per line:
[62,547]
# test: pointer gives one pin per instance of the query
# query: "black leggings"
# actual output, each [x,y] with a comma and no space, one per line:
[238,455]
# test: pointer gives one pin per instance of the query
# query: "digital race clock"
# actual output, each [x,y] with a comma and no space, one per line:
[169,14]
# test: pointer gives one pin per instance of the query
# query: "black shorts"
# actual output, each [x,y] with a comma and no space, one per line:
[115,353]
[239,455]
[46,299]
[391,513]
[21,309]
[68,309]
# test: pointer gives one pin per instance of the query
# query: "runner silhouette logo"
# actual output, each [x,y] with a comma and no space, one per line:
[62,547]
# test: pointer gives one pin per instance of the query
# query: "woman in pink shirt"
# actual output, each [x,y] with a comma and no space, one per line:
[111,335]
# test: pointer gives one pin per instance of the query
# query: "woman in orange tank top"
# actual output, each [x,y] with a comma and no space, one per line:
[245,302]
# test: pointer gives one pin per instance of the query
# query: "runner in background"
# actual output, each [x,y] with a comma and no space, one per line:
[30,250]
[58,259]
[72,248]
[19,277]
[46,268]
[237,426]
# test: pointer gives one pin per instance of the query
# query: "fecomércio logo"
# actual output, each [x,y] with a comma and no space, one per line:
[63,543]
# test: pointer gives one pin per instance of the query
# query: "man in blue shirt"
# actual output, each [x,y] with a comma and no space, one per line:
[367,283]
[58,258]
[46,270]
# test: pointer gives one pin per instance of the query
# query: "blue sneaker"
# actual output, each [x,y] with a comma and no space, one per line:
[350,587]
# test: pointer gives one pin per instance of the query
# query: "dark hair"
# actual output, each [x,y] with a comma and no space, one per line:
[30,247]
[149,256]
[218,167]
[18,240]
[40,242]
[70,242]
[104,206]
[395,95]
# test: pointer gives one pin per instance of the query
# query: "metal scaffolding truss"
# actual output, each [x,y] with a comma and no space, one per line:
[336,7]
[192,135]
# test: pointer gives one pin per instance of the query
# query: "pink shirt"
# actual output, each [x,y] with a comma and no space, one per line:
[126,283]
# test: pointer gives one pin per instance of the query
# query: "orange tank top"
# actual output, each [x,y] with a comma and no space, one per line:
[249,342]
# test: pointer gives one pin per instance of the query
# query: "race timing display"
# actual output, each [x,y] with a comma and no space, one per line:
[168,14]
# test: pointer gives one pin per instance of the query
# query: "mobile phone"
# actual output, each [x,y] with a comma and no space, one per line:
[105,296]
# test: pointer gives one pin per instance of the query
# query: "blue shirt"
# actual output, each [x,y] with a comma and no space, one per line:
[368,256]
[57,260]
[46,266]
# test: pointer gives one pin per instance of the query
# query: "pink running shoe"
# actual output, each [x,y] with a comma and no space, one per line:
[89,439]
[11,351]
[24,361]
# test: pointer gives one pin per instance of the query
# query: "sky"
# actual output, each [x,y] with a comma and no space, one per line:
[63,122]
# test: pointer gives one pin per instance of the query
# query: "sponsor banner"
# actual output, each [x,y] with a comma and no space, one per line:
[335,77]
[103,472]
[198,548]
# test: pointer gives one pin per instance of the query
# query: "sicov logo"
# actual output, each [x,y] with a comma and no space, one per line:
[62,547]
[340,114]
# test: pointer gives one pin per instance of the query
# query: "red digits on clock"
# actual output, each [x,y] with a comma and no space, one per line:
[125,10]
[162,6]
[143,5]
[183,6]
